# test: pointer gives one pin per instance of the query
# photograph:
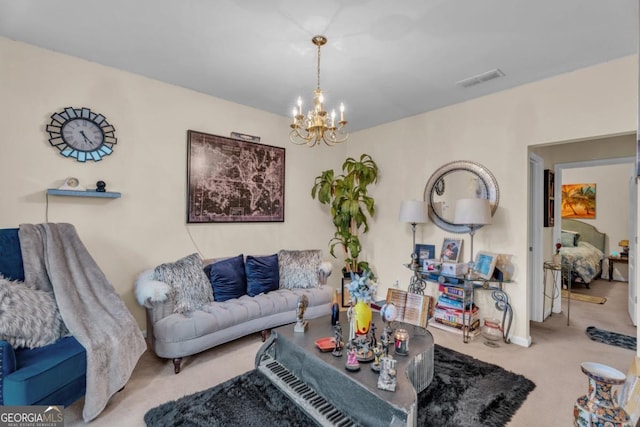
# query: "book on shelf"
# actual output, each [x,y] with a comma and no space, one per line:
[456,316]
[452,291]
[452,302]
[414,309]
[474,332]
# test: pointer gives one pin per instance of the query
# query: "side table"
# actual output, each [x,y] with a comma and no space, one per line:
[555,269]
[613,260]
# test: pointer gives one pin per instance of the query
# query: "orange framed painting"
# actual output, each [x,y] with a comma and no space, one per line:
[579,201]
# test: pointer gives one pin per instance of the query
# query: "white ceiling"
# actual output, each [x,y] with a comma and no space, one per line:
[385,60]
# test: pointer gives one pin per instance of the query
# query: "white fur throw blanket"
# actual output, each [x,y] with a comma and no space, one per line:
[55,259]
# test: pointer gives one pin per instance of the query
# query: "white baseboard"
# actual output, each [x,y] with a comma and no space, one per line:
[523,342]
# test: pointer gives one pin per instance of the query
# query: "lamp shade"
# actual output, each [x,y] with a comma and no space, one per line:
[413,211]
[472,212]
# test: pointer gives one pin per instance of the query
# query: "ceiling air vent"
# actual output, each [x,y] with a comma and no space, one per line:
[481,78]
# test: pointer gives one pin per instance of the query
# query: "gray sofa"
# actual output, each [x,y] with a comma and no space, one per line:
[174,331]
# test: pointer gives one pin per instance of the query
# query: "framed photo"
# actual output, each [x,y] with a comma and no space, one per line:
[346,297]
[232,180]
[425,252]
[484,264]
[451,249]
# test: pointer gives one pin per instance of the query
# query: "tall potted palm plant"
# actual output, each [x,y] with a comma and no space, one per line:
[351,205]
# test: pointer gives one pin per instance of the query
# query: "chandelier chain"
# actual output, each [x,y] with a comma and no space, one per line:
[319,67]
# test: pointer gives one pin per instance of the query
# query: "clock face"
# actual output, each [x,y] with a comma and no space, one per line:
[81,134]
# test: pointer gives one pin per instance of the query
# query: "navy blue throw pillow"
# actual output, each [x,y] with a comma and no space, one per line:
[263,274]
[228,278]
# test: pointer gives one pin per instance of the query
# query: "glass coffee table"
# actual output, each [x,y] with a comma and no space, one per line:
[320,385]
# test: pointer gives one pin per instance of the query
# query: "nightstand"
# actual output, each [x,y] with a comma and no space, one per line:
[613,260]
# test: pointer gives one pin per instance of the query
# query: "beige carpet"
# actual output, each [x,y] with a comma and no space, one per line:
[552,362]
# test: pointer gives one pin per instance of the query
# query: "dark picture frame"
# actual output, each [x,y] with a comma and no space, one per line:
[425,252]
[231,180]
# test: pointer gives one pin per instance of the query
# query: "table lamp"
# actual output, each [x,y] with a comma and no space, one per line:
[625,248]
[414,212]
[474,213]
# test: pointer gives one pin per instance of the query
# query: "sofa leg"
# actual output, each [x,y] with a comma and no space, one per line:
[176,364]
[264,334]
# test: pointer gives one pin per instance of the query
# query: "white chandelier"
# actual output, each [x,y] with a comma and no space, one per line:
[317,126]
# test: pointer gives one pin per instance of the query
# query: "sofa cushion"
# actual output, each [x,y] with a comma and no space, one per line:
[28,317]
[263,274]
[10,254]
[190,285]
[299,269]
[228,278]
[44,369]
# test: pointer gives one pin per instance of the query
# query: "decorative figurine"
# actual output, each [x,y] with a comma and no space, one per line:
[386,340]
[377,352]
[352,358]
[101,186]
[337,350]
[301,324]
[387,379]
[352,322]
[372,335]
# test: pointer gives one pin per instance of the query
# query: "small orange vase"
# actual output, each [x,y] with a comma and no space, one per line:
[362,313]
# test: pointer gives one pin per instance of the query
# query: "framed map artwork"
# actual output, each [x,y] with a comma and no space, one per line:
[231,180]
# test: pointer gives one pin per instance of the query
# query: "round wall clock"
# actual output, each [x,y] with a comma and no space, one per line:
[81,134]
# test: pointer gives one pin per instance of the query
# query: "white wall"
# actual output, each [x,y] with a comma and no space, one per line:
[147,225]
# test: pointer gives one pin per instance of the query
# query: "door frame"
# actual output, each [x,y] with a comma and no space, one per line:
[536,205]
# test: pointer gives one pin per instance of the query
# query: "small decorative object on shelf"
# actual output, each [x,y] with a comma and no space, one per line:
[402,342]
[337,330]
[387,379]
[377,353]
[71,183]
[600,407]
[301,324]
[504,267]
[352,358]
[101,186]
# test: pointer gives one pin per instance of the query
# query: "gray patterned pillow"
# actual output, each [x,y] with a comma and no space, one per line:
[190,286]
[28,317]
[299,269]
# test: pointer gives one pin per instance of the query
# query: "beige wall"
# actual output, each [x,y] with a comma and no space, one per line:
[495,131]
[147,225]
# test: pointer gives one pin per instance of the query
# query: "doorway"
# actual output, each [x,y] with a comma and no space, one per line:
[564,157]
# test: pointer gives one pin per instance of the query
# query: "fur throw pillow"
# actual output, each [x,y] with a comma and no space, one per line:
[28,317]
[299,269]
[190,286]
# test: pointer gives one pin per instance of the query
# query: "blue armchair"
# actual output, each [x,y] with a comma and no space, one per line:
[50,375]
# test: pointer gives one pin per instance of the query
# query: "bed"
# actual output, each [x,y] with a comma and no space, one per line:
[583,249]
